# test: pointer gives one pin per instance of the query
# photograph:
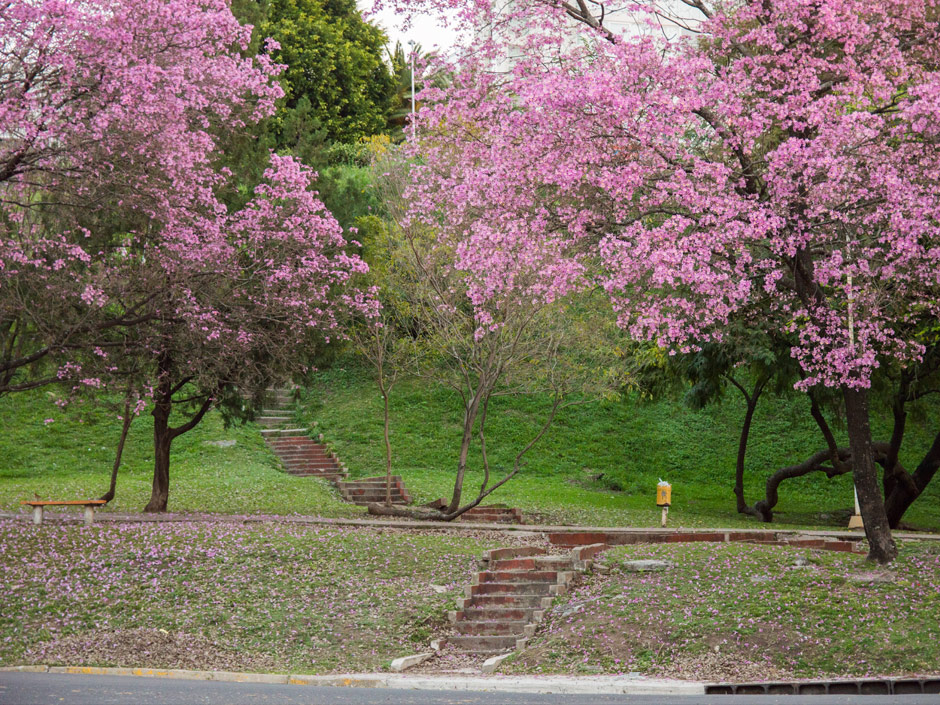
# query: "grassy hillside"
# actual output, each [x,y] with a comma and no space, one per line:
[599,463]
[68,453]
[737,613]
[262,597]
[631,443]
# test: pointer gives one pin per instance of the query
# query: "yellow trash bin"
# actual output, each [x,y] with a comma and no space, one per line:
[663,494]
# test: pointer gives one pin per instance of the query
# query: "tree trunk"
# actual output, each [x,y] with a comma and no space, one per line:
[881,546]
[388,452]
[742,505]
[904,493]
[109,495]
[469,418]
[162,439]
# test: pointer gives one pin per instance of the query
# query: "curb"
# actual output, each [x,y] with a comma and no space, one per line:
[555,685]
[517,529]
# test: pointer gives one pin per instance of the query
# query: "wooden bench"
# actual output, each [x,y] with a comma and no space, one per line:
[89,504]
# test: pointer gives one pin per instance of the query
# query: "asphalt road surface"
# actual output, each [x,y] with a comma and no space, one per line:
[51,689]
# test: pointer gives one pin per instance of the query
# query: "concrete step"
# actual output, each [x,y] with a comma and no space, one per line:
[519,588]
[374,482]
[315,456]
[354,489]
[482,644]
[308,458]
[518,576]
[330,476]
[324,469]
[294,441]
[373,498]
[492,514]
[283,432]
[479,628]
[538,563]
[515,601]
[514,552]
[498,614]
[364,502]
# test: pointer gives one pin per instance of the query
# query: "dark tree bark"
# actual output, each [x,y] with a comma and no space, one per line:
[163,435]
[125,428]
[162,440]
[910,487]
[881,546]
[751,400]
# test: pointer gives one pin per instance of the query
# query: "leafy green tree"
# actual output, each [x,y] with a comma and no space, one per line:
[336,73]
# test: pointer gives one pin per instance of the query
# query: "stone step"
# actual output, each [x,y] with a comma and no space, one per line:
[322,469]
[283,432]
[370,498]
[498,614]
[363,502]
[503,628]
[331,476]
[492,514]
[289,458]
[375,499]
[371,495]
[288,442]
[539,563]
[482,644]
[519,588]
[515,601]
[484,519]
[518,576]
[304,454]
[373,482]
[514,552]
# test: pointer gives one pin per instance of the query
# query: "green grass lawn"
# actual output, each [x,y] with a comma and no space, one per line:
[70,457]
[632,444]
[742,612]
[262,597]
[598,464]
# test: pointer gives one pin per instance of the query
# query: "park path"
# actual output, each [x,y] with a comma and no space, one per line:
[707,534]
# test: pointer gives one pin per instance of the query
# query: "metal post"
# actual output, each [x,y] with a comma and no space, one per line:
[411,43]
[856,521]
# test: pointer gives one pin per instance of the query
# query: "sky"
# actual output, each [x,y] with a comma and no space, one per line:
[425,30]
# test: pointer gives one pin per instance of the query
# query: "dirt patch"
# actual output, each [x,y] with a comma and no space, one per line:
[131,648]
[717,666]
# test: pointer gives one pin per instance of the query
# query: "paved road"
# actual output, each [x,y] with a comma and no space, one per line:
[51,689]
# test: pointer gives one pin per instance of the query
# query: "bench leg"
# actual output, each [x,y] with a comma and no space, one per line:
[37,515]
[89,515]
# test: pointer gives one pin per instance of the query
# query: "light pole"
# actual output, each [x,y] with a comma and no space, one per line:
[411,44]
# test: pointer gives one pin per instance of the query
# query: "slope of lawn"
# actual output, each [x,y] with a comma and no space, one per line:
[262,597]
[600,462]
[738,612]
[68,453]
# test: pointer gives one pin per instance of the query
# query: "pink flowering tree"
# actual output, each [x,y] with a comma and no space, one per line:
[773,163]
[249,312]
[106,127]
[118,263]
[483,332]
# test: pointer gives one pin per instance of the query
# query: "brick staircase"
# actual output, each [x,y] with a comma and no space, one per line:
[493,515]
[300,454]
[305,457]
[508,599]
[372,489]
